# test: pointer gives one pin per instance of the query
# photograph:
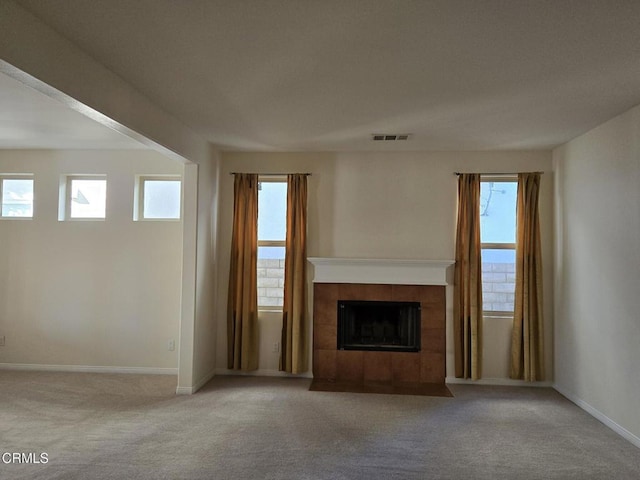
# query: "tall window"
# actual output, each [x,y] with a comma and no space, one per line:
[498,237]
[272,226]
[16,196]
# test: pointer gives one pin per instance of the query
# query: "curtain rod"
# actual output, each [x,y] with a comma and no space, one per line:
[272,174]
[495,173]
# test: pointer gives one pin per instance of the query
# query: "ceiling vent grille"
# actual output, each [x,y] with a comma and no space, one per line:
[390,137]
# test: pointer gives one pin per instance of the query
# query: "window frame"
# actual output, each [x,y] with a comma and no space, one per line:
[508,178]
[272,243]
[17,176]
[138,204]
[64,213]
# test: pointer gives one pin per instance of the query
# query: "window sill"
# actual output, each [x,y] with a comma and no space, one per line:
[147,220]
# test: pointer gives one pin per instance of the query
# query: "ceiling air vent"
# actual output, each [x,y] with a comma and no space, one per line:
[390,137]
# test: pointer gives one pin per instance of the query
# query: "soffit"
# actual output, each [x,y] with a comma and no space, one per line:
[31,120]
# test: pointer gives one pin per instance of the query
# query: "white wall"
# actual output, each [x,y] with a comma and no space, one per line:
[89,293]
[384,205]
[597,275]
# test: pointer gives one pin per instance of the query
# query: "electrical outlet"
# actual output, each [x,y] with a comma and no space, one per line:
[171,345]
[1,340]
[276,347]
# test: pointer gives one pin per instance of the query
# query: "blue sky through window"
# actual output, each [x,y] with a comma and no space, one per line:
[272,221]
[498,212]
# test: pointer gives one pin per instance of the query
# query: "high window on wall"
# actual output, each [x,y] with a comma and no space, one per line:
[272,228]
[157,198]
[498,237]
[83,197]
[16,196]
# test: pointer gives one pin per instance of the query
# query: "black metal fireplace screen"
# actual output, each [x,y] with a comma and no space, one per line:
[380,326]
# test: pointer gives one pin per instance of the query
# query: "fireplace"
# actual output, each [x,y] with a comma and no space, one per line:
[358,345]
[378,326]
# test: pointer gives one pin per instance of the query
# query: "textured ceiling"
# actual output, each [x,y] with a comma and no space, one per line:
[324,75]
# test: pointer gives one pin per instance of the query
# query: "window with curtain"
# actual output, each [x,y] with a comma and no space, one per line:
[272,227]
[498,242]
[268,265]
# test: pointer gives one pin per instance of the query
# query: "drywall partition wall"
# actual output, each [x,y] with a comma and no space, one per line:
[189,286]
[597,274]
[198,338]
[205,325]
[90,293]
[384,205]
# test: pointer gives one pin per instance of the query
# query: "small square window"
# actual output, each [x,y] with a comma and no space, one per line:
[85,197]
[16,195]
[158,198]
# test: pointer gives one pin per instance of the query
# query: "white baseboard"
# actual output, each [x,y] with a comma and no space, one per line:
[262,373]
[598,415]
[87,369]
[197,386]
[507,382]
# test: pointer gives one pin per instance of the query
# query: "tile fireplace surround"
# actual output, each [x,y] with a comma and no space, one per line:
[383,280]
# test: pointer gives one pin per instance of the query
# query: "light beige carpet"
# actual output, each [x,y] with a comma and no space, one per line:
[98,426]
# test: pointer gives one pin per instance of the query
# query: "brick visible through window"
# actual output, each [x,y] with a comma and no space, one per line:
[270,282]
[498,286]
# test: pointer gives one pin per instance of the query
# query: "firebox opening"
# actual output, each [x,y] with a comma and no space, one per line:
[380,326]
